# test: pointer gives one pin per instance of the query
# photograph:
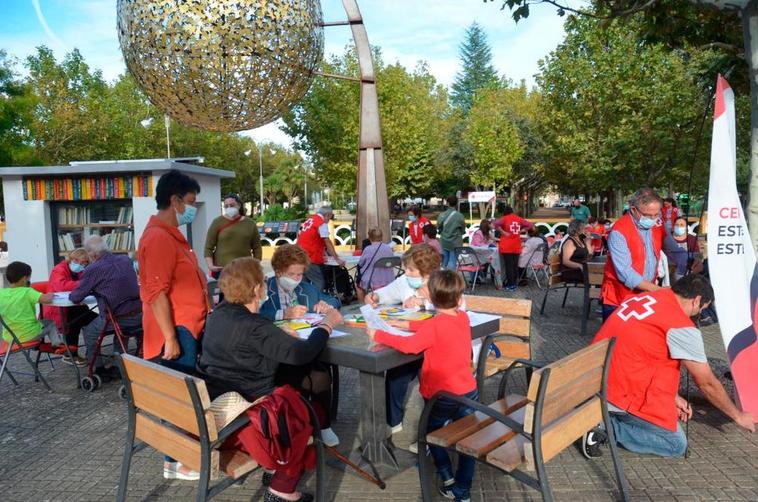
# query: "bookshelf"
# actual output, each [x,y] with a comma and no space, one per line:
[74,221]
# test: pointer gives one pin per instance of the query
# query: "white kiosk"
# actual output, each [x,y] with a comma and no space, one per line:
[49,211]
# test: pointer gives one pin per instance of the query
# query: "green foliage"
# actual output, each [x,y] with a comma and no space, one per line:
[493,138]
[617,114]
[277,212]
[15,114]
[413,109]
[477,71]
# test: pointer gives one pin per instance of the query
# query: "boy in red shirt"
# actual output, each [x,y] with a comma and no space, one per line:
[445,341]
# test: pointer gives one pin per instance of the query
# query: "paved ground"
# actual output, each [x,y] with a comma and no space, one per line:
[68,445]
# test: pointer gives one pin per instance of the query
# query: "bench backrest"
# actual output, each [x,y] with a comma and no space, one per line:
[555,269]
[595,272]
[515,319]
[168,405]
[567,393]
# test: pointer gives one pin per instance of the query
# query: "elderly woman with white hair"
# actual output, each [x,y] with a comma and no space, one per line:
[111,278]
[65,277]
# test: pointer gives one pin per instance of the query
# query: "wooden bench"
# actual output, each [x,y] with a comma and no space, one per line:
[565,400]
[511,341]
[170,412]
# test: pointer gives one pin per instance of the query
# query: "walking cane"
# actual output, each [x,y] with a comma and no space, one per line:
[368,477]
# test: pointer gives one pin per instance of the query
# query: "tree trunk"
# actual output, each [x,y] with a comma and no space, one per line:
[750,24]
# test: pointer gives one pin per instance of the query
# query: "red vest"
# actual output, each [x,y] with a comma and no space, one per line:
[643,379]
[613,291]
[510,236]
[415,229]
[310,240]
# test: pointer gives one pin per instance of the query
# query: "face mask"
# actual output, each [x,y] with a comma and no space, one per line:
[188,216]
[645,222]
[414,282]
[76,268]
[231,212]
[262,301]
[287,283]
[679,231]
[412,218]
[607,227]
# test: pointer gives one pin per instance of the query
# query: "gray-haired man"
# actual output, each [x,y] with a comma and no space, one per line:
[111,278]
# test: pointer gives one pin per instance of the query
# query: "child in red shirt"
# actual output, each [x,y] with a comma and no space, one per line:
[445,341]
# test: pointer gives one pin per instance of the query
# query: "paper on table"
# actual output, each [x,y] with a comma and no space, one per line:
[303,334]
[61,296]
[373,321]
[477,318]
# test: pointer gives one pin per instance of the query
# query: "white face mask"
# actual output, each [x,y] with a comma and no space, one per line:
[287,283]
[231,212]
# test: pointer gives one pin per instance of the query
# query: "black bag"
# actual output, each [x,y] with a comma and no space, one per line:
[338,283]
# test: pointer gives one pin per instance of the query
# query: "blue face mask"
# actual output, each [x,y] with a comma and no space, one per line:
[188,216]
[680,231]
[414,282]
[76,268]
[645,222]
[412,218]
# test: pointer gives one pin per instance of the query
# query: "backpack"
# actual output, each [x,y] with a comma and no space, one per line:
[279,431]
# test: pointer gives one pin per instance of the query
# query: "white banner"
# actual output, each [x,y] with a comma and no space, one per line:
[731,258]
[481,196]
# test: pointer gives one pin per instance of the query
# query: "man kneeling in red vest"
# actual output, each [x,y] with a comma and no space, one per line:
[654,337]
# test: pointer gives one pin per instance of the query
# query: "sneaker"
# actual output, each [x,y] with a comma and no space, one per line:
[413,447]
[448,482]
[74,360]
[511,288]
[592,441]
[396,429]
[329,438]
[173,470]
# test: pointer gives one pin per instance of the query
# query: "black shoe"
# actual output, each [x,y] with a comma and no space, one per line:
[270,497]
[592,441]
[266,479]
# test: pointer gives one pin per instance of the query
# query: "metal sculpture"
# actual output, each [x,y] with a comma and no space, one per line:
[222,65]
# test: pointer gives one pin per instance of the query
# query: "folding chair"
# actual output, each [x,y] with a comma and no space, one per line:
[389,263]
[467,261]
[536,268]
[25,348]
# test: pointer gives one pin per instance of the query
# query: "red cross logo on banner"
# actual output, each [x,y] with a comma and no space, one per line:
[638,307]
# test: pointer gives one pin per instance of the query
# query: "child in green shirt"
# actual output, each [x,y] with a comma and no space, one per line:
[18,305]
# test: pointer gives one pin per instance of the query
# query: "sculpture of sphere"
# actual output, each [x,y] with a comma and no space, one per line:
[222,65]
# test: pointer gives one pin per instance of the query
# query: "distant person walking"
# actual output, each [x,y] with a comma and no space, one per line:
[579,211]
[451,225]
[231,236]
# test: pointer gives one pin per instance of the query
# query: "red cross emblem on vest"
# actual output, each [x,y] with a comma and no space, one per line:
[515,227]
[638,307]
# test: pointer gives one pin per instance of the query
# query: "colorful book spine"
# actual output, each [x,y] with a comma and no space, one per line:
[94,188]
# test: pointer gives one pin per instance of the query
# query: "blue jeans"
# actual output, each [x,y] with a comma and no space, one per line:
[186,361]
[608,310]
[396,382]
[641,436]
[443,411]
[448,259]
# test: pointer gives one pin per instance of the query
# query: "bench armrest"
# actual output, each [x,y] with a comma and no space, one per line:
[235,425]
[476,405]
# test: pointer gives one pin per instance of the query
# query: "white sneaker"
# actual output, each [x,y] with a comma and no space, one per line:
[173,470]
[413,447]
[397,428]
[329,438]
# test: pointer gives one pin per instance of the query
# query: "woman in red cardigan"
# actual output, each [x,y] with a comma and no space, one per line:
[65,278]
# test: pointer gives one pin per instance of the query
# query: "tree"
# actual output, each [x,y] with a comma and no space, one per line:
[493,138]
[414,113]
[15,113]
[477,71]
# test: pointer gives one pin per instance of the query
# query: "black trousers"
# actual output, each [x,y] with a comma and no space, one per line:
[77,318]
[509,266]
